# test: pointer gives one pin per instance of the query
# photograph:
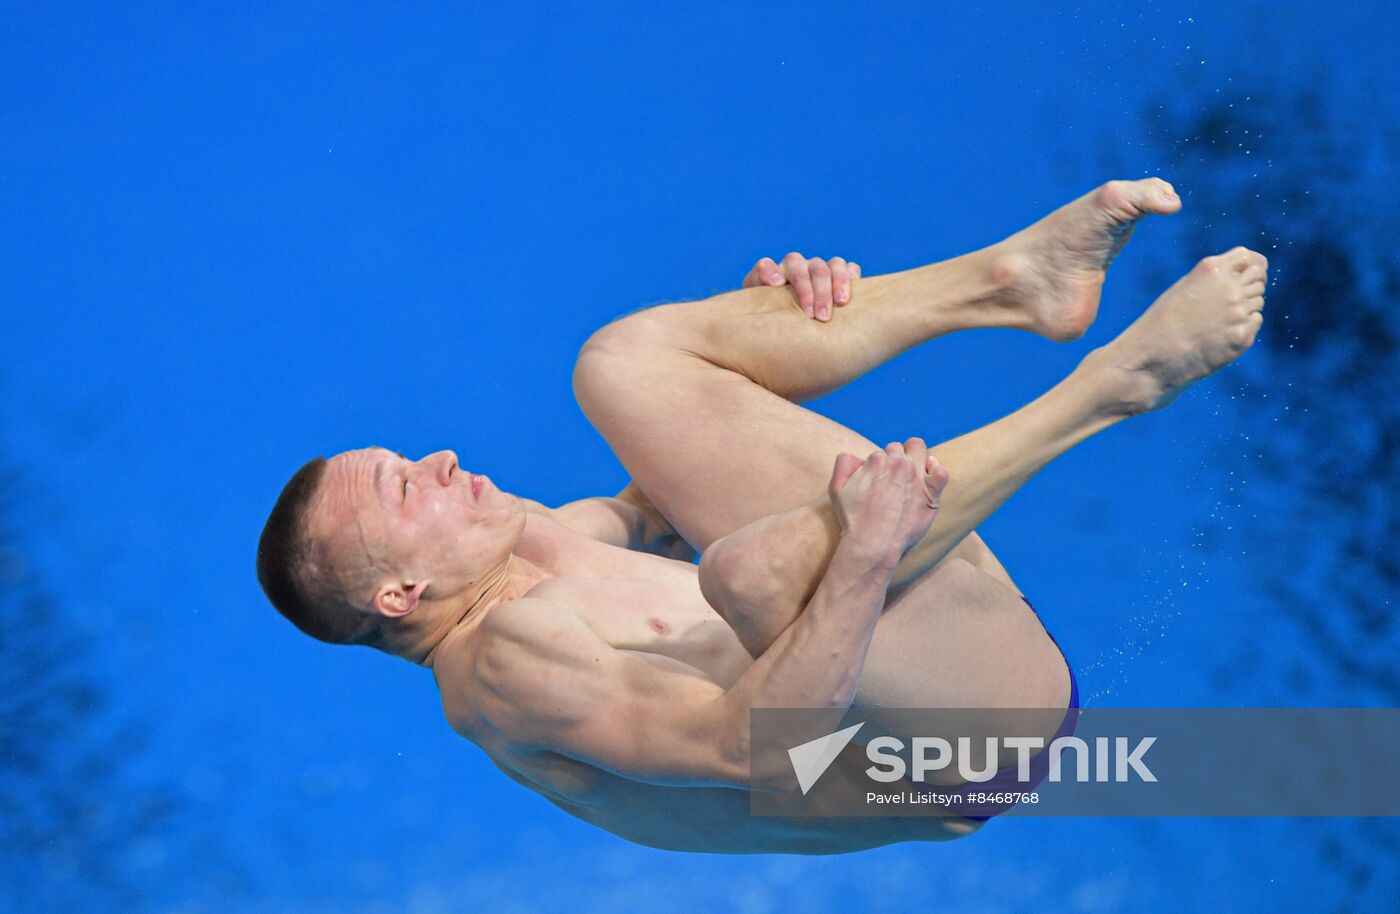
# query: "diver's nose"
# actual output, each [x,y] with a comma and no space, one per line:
[446,465]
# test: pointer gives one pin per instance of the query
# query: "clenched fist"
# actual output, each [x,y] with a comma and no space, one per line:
[887,502]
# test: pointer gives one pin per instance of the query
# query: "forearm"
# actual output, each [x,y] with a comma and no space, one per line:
[652,532]
[628,520]
[817,661]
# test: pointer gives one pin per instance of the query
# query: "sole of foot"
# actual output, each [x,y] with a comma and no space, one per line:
[1053,271]
[1206,320]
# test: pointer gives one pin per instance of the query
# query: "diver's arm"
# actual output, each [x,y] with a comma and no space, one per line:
[627,519]
[548,682]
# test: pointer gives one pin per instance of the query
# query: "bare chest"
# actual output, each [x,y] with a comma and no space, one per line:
[658,613]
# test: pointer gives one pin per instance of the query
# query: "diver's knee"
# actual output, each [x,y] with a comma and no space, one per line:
[616,357]
[630,335]
[741,587]
[728,580]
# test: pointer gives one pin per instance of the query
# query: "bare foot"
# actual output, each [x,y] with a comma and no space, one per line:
[1054,270]
[1198,326]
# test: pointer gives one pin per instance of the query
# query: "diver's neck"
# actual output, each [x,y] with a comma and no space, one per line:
[556,549]
[508,581]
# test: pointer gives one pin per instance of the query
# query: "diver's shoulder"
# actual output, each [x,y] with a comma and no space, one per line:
[462,662]
[523,622]
[535,614]
[489,676]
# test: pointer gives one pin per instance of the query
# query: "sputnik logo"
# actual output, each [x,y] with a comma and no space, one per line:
[811,759]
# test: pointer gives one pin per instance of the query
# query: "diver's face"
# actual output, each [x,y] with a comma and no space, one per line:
[423,521]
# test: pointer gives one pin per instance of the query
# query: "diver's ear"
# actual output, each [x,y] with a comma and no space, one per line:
[397,599]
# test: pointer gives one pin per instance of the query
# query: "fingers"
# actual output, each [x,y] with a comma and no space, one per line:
[840,281]
[820,285]
[846,465]
[914,460]
[914,451]
[795,269]
[881,465]
[917,452]
[897,463]
[820,273]
[936,479]
[764,273]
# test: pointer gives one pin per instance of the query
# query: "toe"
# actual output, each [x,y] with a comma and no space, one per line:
[1241,259]
[1256,321]
[1134,199]
[1160,196]
[1117,199]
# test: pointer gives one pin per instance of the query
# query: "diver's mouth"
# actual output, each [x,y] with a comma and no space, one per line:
[478,486]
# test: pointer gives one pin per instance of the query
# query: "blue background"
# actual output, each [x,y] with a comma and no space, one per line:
[234,237]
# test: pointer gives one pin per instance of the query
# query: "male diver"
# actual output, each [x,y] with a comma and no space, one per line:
[595,666]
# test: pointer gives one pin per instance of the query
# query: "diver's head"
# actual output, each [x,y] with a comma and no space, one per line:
[372,548]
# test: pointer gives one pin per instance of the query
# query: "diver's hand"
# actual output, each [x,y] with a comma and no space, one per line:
[820,284]
[886,503]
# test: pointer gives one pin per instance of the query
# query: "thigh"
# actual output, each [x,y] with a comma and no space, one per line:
[956,638]
[710,448]
[713,449]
